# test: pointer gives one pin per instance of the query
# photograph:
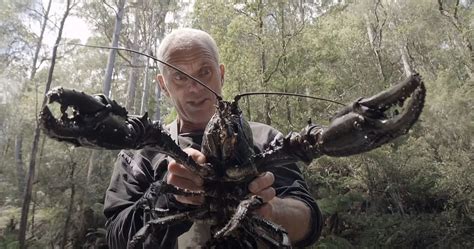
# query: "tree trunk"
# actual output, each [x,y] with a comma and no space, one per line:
[249,108]
[132,84]
[40,41]
[268,109]
[20,167]
[33,212]
[90,167]
[4,154]
[19,138]
[69,208]
[34,149]
[157,115]
[375,42]
[113,52]
[144,102]
[284,70]
[407,68]
[263,62]
[288,112]
[158,21]
[35,197]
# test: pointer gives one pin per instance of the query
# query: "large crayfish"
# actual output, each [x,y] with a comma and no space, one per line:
[99,122]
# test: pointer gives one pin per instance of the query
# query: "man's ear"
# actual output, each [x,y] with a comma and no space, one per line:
[161,82]
[222,68]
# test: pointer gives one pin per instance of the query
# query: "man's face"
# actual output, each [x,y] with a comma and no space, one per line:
[194,103]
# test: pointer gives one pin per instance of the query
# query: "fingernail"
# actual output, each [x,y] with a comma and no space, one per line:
[253,187]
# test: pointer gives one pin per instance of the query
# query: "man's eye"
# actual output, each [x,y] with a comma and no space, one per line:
[180,77]
[205,72]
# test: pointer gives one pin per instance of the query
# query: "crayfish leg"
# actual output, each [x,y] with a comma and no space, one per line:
[163,222]
[266,232]
[243,209]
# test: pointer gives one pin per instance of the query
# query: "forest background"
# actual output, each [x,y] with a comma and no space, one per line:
[416,192]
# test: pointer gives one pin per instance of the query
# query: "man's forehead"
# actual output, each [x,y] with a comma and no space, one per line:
[190,56]
[190,67]
[189,47]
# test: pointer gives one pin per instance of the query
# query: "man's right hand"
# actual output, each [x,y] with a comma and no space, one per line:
[182,177]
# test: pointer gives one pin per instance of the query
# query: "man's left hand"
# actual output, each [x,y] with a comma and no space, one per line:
[262,186]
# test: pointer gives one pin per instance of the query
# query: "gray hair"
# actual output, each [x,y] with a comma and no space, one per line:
[185,37]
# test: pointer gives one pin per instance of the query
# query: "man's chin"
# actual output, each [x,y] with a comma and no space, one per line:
[197,122]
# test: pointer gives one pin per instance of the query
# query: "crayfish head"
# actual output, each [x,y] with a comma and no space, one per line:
[228,143]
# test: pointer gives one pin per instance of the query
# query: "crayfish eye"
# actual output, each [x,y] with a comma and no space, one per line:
[357,125]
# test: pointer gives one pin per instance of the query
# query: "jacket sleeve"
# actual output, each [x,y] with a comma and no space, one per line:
[132,176]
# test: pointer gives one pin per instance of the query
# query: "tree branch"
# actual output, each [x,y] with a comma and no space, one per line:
[452,17]
[245,14]
[108,5]
[455,15]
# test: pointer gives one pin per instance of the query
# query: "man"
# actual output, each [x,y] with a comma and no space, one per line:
[287,201]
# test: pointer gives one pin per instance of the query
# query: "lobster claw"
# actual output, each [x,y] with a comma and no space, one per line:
[371,122]
[359,127]
[90,120]
[98,122]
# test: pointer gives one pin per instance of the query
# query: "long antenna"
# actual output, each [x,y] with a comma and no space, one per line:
[219,98]
[238,97]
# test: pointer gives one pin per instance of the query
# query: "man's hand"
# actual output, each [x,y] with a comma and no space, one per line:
[182,177]
[290,213]
[262,186]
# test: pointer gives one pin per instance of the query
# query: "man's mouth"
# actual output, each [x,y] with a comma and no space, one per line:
[197,102]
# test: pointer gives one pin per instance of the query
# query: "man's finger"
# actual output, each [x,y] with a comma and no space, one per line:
[180,176]
[182,182]
[176,169]
[262,182]
[267,194]
[194,200]
[197,155]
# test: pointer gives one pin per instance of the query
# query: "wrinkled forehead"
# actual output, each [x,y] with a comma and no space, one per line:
[187,50]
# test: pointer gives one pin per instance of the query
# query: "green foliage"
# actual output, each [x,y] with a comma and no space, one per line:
[333,242]
[419,231]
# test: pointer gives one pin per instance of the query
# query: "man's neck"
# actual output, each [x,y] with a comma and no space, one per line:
[188,127]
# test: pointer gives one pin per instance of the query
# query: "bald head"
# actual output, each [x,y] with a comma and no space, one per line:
[184,39]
